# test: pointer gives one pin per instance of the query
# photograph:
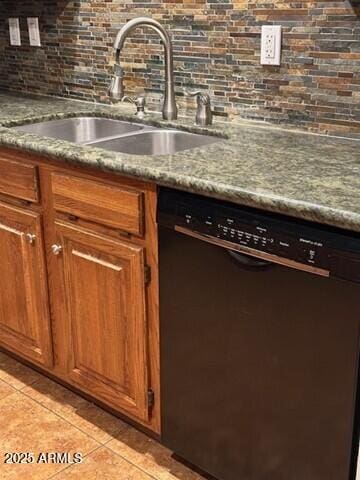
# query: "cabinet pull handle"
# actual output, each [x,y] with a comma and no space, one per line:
[30,237]
[56,249]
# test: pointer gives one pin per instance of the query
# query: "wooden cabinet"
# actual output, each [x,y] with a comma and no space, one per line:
[80,245]
[24,313]
[104,292]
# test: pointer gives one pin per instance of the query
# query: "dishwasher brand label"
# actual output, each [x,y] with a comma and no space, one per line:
[311,242]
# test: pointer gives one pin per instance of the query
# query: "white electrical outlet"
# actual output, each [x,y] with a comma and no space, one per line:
[14,31]
[34,32]
[270,44]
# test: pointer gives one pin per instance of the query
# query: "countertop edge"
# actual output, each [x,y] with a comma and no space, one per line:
[276,204]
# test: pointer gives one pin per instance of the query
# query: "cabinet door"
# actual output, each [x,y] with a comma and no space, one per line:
[24,312]
[103,287]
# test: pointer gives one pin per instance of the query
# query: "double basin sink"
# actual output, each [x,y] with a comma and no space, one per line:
[119,135]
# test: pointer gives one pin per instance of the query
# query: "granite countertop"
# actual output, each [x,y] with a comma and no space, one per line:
[299,174]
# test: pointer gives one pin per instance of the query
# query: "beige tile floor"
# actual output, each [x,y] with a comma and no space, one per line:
[38,415]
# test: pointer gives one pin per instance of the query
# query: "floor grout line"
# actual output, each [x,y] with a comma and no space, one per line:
[7,383]
[73,465]
[4,381]
[8,395]
[24,386]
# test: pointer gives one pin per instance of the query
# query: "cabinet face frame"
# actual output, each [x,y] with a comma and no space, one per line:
[109,277]
[45,168]
[26,298]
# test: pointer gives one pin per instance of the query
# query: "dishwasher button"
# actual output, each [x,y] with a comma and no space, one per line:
[188,219]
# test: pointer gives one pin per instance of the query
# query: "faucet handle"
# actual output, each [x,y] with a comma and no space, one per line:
[189,93]
[203,112]
[139,102]
[202,98]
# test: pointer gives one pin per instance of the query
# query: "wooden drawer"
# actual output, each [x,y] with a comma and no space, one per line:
[19,180]
[92,200]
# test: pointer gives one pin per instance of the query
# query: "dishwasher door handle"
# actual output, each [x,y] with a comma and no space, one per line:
[249,262]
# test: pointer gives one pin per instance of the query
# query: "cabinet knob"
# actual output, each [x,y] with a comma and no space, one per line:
[56,249]
[30,237]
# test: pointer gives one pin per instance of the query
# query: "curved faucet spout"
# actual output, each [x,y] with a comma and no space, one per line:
[169,107]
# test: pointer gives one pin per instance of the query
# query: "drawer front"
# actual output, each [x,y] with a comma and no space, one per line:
[19,180]
[98,202]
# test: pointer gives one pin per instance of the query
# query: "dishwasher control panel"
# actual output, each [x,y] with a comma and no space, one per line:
[255,233]
[283,237]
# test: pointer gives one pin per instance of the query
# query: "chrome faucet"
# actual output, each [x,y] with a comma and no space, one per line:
[116,90]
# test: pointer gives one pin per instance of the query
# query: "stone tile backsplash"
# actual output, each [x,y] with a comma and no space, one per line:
[216,48]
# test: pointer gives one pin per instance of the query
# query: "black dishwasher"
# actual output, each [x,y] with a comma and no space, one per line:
[259,323]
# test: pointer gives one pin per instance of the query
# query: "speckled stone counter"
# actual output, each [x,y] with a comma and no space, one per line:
[298,174]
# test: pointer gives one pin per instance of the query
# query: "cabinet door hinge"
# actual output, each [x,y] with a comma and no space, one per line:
[147,274]
[150,398]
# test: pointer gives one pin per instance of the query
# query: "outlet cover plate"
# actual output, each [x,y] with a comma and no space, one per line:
[34,32]
[14,31]
[270,45]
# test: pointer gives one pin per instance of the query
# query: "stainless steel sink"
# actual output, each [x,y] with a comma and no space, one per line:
[118,135]
[155,142]
[80,129]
